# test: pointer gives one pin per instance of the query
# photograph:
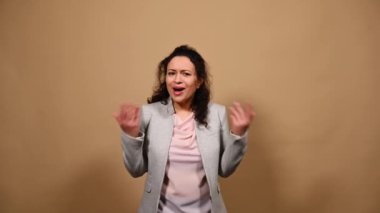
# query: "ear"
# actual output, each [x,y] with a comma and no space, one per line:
[199,83]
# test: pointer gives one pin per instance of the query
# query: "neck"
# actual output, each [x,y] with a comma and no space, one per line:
[182,109]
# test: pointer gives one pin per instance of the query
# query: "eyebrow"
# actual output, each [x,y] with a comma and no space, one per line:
[179,70]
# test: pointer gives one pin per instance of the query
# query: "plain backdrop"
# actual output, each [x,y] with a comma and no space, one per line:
[310,68]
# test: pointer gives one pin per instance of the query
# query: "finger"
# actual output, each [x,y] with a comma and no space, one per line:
[116,116]
[136,114]
[233,111]
[232,116]
[248,110]
[129,114]
[123,112]
[252,112]
[235,119]
[238,110]
[129,111]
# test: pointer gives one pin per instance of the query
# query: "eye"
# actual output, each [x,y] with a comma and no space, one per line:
[187,74]
[170,73]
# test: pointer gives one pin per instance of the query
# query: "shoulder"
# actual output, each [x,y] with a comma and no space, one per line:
[150,111]
[216,110]
[156,108]
[152,106]
[216,107]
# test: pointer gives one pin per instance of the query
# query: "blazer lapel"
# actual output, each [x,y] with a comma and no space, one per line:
[204,145]
[165,132]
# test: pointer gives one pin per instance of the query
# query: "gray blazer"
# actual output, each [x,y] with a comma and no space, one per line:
[221,151]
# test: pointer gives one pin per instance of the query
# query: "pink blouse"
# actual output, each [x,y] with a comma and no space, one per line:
[185,187]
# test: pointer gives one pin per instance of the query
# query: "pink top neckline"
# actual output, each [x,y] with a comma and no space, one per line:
[185,187]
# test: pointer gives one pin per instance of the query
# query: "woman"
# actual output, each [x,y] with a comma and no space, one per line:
[181,139]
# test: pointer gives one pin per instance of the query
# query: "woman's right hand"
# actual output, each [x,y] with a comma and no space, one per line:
[128,117]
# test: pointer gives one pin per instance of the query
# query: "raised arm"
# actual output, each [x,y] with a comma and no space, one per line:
[129,120]
[234,136]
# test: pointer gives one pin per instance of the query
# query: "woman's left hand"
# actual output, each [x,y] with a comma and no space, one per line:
[241,116]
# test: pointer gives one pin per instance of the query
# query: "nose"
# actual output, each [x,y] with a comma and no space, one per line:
[177,79]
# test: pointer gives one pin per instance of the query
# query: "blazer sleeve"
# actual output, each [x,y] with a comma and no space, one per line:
[233,147]
[134,149]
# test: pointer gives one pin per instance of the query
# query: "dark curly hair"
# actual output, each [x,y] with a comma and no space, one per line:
[202,95]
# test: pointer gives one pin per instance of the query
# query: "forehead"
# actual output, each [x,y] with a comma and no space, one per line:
[181,63]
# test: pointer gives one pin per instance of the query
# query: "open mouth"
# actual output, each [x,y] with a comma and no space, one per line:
[178,90]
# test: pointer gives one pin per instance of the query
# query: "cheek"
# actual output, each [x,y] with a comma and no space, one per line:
[194,86]
[167,80]
[167,86]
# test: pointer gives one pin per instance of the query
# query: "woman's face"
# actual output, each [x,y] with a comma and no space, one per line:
[181,81]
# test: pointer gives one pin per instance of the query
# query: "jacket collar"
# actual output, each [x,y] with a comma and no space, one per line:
[169,107]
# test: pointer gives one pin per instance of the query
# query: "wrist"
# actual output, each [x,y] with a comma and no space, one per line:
[132,133]
[239,132]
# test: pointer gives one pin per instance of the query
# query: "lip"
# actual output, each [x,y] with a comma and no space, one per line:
[177,91]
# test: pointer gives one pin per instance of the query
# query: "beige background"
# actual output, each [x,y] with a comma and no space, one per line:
[311,69]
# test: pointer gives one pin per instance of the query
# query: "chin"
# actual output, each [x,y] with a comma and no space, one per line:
[178,100]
